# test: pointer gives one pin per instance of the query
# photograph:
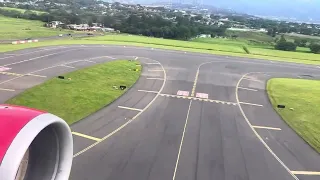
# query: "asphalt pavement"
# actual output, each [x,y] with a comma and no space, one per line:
[189,117]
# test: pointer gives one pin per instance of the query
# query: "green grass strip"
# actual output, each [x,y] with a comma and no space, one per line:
[304,97]
[89,90]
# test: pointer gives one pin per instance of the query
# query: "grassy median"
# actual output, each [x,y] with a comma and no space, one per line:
[88,90]
[217,49]
[303,97]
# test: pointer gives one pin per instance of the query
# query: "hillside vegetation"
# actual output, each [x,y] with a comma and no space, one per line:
[22,10]
[13,28]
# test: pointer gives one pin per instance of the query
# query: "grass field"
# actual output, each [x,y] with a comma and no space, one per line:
[21,10]
[304,97]
[168,42]
[13,28]
[88,90]
[219,49]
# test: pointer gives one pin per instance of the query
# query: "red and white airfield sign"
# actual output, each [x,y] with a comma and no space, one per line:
[183,93]
[2,68]
[25,41]
[202,95]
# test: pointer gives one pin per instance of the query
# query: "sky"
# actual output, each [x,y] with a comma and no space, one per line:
[300,9]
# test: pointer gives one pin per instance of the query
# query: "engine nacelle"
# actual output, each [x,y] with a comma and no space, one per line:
[34,145]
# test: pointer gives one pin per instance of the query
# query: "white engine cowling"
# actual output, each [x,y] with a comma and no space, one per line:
[34,145]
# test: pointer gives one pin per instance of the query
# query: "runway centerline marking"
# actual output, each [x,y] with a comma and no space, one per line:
[309,173]
[148,91]
[181,143]
[129,108]
[251,104]
[1,89]
[195,82]
[256,133]
[86,136]
[265,127]
[249,89]
[155,79]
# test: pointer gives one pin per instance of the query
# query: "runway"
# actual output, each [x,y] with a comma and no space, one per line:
[189,117]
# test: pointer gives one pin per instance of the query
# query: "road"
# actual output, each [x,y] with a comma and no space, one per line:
[189,116]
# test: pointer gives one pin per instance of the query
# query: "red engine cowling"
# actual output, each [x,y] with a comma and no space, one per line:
[34,145]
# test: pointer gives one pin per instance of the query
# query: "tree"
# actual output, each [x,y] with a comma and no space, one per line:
[301,42]
[272,32]
[306,31]
[315,48]
[90,23]
[283,45]
[198,17]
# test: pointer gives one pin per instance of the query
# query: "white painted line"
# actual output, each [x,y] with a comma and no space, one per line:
[128,122]
[148,91]
[32,59]
[133,109]
[66,66]
[247,89]
[257,134]
[155,79]
[36,75]
[154,70]
[28,53]
[181,143]
[89,61]
[152,63]
[136,58]
[251,104]
[312,173]
[251,79]
[1,89]
[86,136]
[265,127]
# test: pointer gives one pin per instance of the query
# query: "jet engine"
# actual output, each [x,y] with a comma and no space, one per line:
[34,145]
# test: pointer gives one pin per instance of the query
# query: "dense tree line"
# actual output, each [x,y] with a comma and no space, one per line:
[141,23]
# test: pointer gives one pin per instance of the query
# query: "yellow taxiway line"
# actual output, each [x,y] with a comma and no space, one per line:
[86,136]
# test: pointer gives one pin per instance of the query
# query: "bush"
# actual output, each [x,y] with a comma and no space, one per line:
[315,48]
[246,49]
[301,42]
[286,46]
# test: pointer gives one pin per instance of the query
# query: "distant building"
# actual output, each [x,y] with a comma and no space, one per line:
[204,36]
[55,24]
[108,30]
[78,27]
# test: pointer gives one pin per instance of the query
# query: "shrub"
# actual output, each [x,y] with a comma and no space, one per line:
[286,46]
[315,48]
[246,49]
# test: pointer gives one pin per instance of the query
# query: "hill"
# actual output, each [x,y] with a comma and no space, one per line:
[13,28]
[21,10]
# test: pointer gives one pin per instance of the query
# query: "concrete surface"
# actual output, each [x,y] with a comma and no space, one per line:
[233,135]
